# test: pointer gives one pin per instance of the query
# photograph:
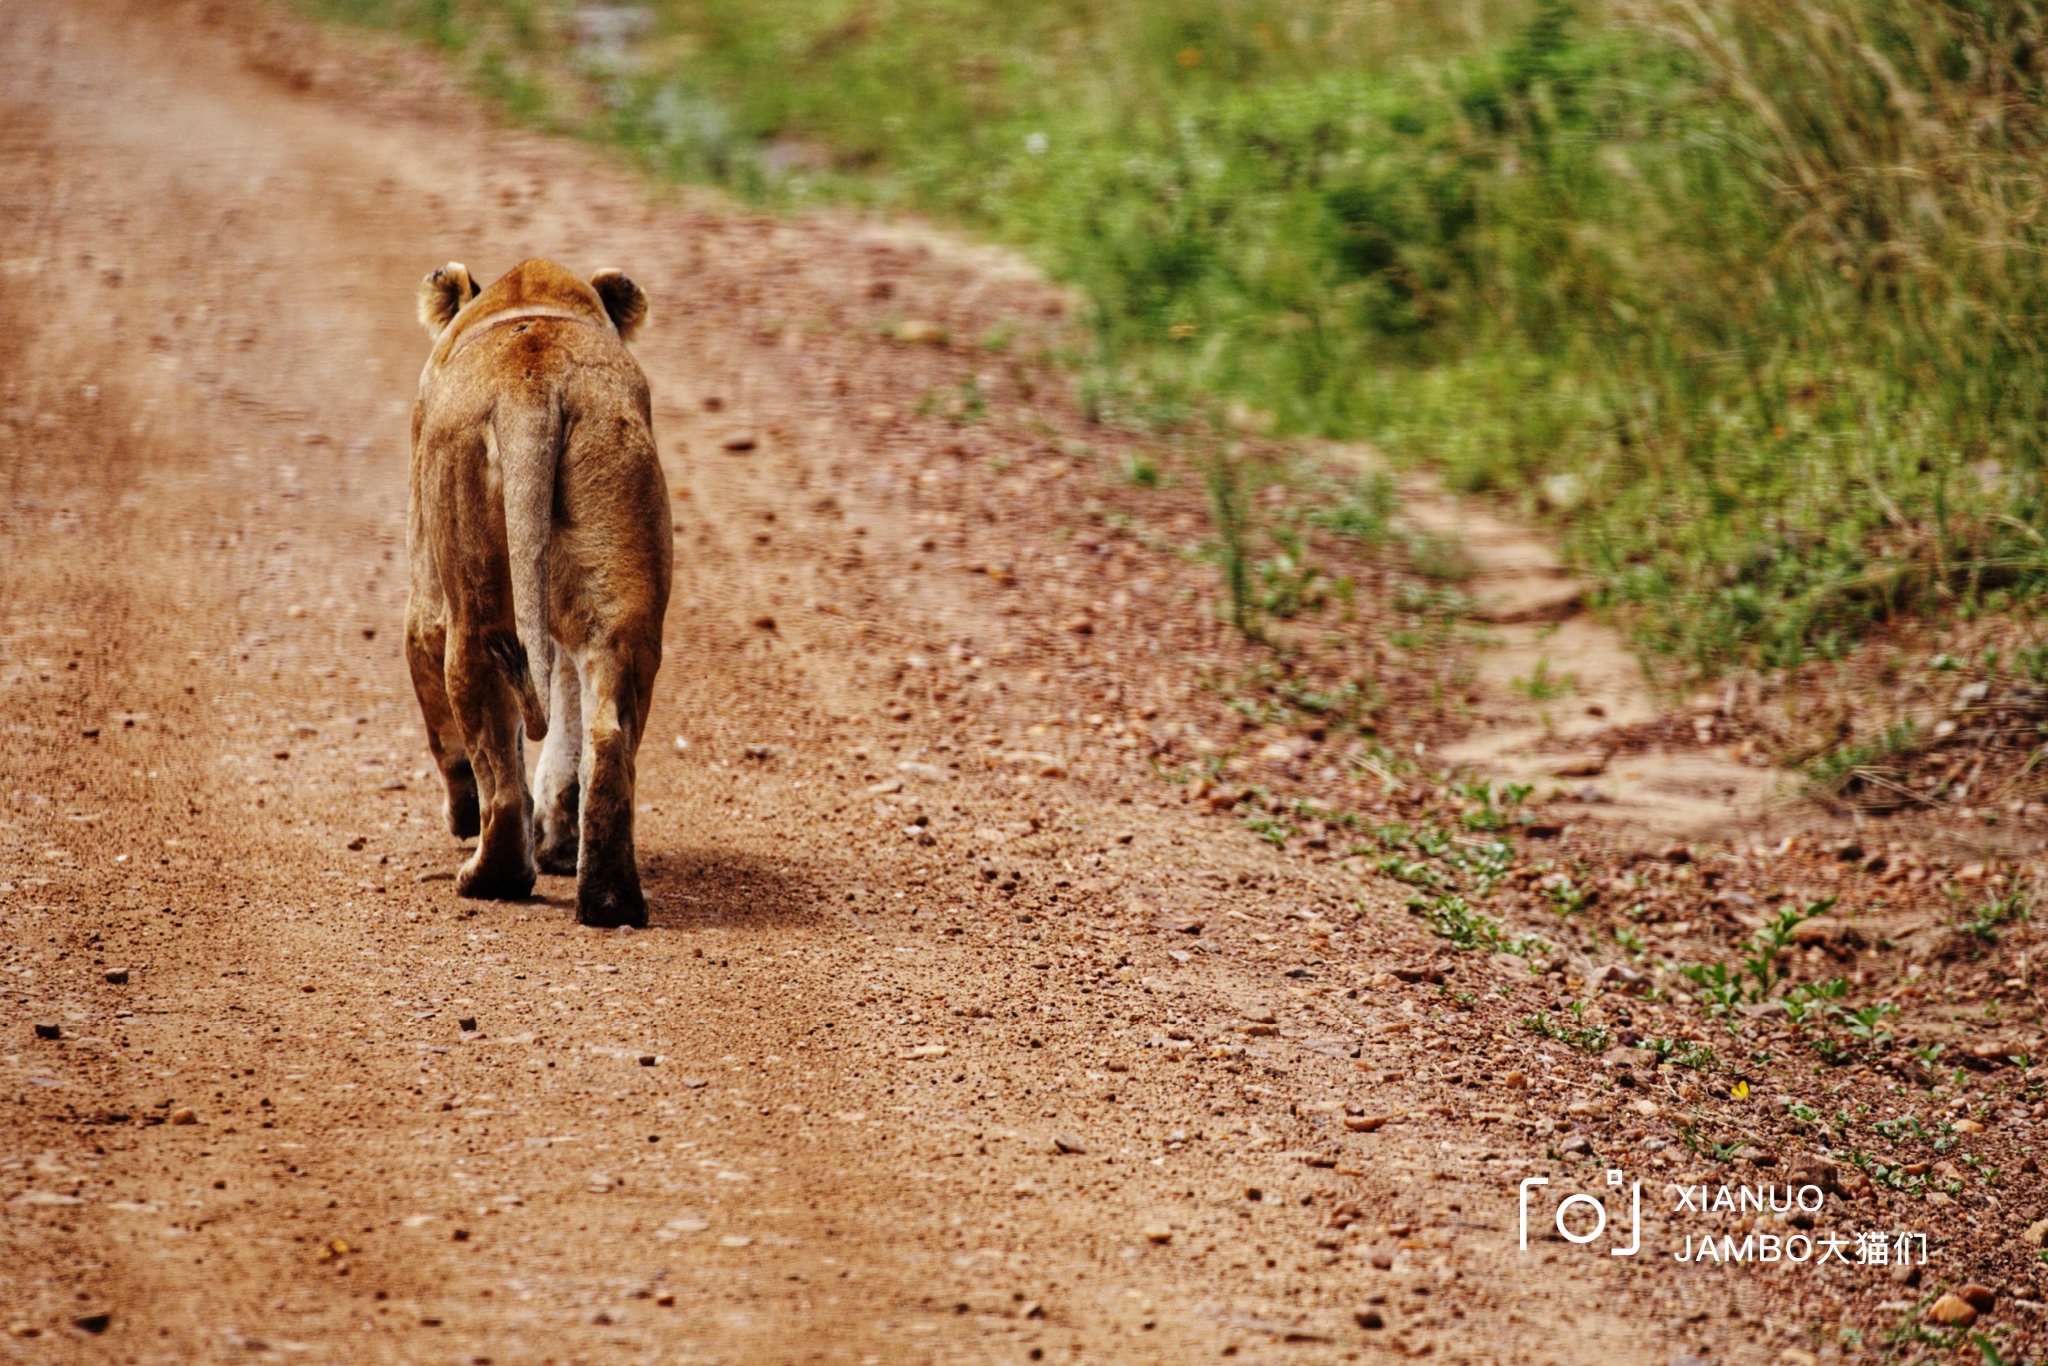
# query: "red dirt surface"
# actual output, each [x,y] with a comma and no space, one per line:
[958,1034]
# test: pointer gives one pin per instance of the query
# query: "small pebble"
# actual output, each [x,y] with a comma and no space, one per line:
[183,1115]
[467,1024]
[1953,1311]
[117,977]
[49,1031]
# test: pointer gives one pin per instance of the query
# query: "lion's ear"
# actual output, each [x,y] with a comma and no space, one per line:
[625,301]
[442,296]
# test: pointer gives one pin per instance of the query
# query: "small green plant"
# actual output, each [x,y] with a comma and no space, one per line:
[1543,686]
[1690,1135]
[1869,1023]
[1496,807]
[1290,585]
[1365,515]
[1141,471]
[1588,1038]
[1685,1053]
[1996,914]
[1226,507]
[1566,896]
[1268,828]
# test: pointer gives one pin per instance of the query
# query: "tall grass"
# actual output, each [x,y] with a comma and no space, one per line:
[1743,295]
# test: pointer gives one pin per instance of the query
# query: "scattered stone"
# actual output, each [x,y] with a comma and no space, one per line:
[736,1240]
[1158,1233]
[1515,1081]
[116,977]
[1798,1356]
[1067,1143]
[1622,977]
[1590,765]
[1969,1126]
[694,1083]
[926,1050]
[184,1115]
[2037,1233]
[1576,1146]
[1368,1319]
[49,1031]
[920,331]
[647,1060]
[467,1024]
[1365,1124]
[94,1323]
[1433,976]
[1979,1297]
[1255,1014]
[739,443]
[1383,1261]
[1953,1311]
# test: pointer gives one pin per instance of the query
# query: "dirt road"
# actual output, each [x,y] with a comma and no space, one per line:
[957,1035]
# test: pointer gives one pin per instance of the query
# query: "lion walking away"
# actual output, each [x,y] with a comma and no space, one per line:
[538,536]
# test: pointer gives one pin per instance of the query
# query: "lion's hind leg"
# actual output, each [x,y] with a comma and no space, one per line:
[558,785]
[618,687]
[487,709]
[425,649]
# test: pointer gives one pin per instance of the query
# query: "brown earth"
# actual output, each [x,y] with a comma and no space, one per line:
[958,1034]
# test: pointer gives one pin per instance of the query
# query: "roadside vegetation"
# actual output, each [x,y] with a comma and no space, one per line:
[1744,298]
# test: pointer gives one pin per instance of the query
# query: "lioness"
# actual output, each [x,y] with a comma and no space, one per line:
[538,535]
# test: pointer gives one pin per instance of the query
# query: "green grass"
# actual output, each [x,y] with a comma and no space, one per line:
[1743,297]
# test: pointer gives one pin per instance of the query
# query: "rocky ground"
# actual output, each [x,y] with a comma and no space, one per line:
[1039,969]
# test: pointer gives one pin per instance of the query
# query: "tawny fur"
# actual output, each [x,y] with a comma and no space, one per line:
[539,539]
[625,301]
[442,295]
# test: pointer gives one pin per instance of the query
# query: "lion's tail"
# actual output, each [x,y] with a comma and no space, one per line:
[529,445]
